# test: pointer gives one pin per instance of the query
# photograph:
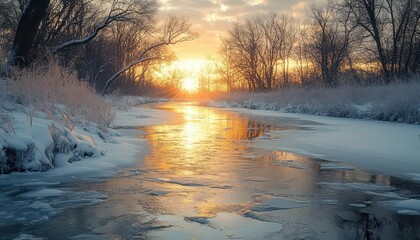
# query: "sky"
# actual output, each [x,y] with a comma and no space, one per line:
[213,18]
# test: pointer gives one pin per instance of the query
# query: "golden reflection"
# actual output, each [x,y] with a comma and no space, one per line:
[209,151]
[192,147]
[205,165]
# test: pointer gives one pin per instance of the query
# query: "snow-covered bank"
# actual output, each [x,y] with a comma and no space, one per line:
[124,102]
[398,102]
[386,147]
[40,144]
[125,149]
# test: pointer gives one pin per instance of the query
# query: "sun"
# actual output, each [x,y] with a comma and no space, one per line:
[189,84]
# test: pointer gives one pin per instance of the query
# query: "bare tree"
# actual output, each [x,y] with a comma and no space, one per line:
[175,30]
[27,29]
[260,50]
[9,18]
[301,55]
[225,68]
[206,76]
[328,43]
[290,35]
[392,26]
[120,11]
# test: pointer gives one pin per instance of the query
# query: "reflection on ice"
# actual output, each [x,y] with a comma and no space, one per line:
[407,207]
[47,192]
[357,186]
[36,206]
[335,166]
[269,203]
[205,178]
[221,226]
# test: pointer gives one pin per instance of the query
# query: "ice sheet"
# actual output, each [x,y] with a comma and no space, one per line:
[388,147]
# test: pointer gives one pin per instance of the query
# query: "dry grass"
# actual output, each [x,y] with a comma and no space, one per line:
[51,89]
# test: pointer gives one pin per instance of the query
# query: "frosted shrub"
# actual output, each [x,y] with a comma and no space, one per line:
[59,93]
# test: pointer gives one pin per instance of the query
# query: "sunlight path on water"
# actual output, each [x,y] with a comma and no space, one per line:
[204,178]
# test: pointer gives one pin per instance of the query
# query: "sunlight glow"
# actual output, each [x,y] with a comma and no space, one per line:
[189,73]
[190,84]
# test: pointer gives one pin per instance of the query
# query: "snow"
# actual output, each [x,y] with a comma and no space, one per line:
[387,147]
[32,144]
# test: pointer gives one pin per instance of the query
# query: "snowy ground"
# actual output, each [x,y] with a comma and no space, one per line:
[390,148]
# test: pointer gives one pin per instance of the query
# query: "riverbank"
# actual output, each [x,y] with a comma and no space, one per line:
[397,102]
[79,150]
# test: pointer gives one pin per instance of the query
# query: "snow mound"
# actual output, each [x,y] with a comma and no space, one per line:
[35,145]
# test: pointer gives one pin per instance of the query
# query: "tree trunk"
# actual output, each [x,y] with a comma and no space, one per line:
[27,29]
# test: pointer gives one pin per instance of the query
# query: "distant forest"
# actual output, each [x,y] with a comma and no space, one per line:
[341,42]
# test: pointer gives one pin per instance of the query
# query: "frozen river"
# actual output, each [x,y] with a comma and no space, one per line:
[206,178]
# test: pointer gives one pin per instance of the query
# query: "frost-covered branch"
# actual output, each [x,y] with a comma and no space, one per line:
[112,79]
[117,13]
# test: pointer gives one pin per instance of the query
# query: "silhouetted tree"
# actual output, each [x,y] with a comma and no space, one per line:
[32,15]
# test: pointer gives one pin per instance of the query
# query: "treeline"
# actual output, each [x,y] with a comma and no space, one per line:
[101,40]
[362,41]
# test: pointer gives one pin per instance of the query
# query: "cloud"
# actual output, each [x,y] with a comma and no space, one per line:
[213,18]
